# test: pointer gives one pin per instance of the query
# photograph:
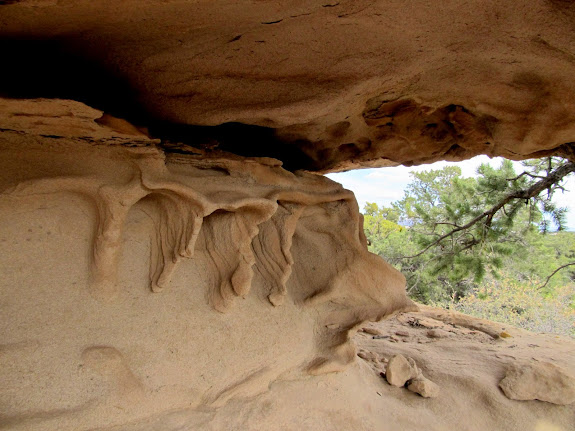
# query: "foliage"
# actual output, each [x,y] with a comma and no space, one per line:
[521,304]
[451,236]
[458,230]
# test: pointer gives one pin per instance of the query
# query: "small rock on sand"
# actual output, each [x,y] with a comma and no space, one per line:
[402,333]
[538,381]
[437,333]
[401,369]
[368,356]
[424,387]
[372,331]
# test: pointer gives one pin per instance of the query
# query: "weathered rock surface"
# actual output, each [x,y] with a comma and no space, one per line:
[167,263]
[467,367]
[136,281]
[401,369]
[424,387]
[371,331]
[437,333]
[320,86]
[538,381]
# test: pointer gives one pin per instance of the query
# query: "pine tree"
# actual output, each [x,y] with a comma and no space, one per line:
[458,229]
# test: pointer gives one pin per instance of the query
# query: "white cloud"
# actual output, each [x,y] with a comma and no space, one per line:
[468,167]
[385,185]
[397,174]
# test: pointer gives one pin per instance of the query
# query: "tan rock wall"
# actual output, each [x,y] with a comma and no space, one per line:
[135,282]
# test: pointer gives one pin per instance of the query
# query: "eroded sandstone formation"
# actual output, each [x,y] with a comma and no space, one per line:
[167,245]
[85,209]
[321,85]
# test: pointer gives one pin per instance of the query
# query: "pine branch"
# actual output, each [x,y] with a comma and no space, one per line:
[524,174]
[555,272]
[446,223]
[533,191]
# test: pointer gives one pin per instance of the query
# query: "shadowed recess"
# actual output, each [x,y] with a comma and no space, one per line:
[56,68]
[242,139]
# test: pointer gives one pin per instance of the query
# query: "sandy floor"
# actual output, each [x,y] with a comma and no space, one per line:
[467,358]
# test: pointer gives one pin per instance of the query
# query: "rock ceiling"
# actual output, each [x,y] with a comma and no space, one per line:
[322,85]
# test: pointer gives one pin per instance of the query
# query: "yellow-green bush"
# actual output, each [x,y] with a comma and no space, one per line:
[521,304]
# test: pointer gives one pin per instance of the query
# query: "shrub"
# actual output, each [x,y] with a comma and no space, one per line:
[521,304]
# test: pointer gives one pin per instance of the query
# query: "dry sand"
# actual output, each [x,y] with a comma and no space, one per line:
[460,354]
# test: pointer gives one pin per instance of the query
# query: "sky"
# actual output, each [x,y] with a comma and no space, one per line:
[385,185]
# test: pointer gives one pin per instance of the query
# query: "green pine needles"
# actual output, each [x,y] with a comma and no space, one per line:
[452,236]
